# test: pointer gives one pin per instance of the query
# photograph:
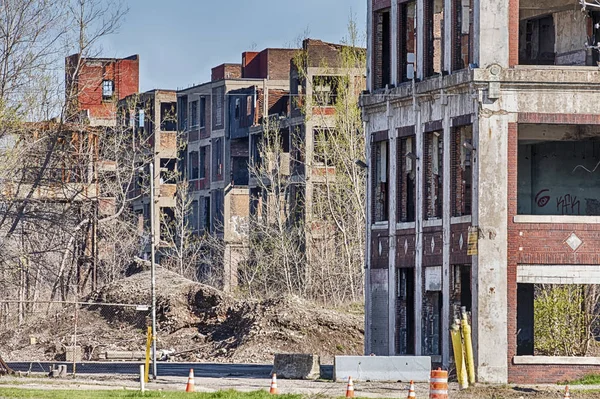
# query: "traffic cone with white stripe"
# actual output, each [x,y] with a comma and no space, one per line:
[411,390]
[350,388]
[567,394]
[273,390]
[191,386]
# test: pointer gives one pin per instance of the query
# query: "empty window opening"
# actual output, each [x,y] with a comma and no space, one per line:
[434,31]
[237,109]
[325,90]
[461,172]
[408,40]
[537,41]
[434,151]
[557,171]
[205,215]
[432,311]
[108,88]
[322,147]
[380,181]
[194,113]
[405,311]
[406,179]
[168,173]
[203,164]
[202,111]
[194,216]
[193,165]
[218,159]
[240,171]
[463,25]
[382,54]
[183,112]
[168,117]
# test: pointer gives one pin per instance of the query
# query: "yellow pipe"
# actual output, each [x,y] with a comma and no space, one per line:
[148,346]
[459,360]
[466,331]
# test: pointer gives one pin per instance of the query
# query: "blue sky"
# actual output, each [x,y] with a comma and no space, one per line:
[179,41]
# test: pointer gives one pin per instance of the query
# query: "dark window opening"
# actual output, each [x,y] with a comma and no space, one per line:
[240,171]
[405,311]
[218,159]
[557,168]
[168,120]
[432,323]
[380,181]
[382,49]
[406,179]
[193,165]
[434,33]
[325,89]
[322,147]
[202,166]
[537,40]
[206,214]
[108,89]
[167,224]
[463,25]
[237,109]
[194,113]
[202,111]
[525,319]
[256,155]
[408,41]
[433,175]
[461,170]
[183,113]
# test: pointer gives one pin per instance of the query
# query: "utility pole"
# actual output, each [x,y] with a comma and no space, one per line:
[152,269]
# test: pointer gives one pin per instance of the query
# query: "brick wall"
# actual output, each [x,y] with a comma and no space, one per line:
[432,254]
[379,259]
[226,71]
[532,243]
[513,29]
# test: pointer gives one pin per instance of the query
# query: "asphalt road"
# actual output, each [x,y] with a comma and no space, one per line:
[167,369]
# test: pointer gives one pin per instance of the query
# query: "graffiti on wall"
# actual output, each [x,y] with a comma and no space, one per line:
[567,204]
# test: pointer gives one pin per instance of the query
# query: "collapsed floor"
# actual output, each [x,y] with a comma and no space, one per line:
[195,322]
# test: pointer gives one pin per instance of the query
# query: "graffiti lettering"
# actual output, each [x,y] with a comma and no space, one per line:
[568,205]
[542,201]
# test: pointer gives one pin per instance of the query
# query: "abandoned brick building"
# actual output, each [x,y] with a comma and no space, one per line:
[483,128]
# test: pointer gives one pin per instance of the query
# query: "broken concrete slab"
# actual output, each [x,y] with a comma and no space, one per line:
[382,368]
[298,366]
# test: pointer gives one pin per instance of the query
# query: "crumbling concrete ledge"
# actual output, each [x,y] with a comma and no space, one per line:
[382,368]
[297,366]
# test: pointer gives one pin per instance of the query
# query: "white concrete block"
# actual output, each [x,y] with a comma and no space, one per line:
[382,368]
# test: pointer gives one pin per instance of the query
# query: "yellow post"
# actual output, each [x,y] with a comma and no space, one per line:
[148,346]
[459,359]
[466,331]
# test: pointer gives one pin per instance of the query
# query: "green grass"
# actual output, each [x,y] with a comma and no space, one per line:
[590,379]
[18,393]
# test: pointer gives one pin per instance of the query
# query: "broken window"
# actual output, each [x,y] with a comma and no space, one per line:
[382,49]
[536,41]
[408,40]
[193,165]
[434,150]
[202,111]
[434,33]
[462,51]
[432,311]
[325,90]
[108,88]
[218,159]
[380,181]
[322,150]
[406,179]
[168,121]
[558,167]
[461,170]
[218,94]
[194,113]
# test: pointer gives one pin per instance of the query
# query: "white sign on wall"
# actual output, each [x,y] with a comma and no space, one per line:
[433,278]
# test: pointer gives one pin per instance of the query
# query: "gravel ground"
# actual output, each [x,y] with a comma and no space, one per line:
[308,388]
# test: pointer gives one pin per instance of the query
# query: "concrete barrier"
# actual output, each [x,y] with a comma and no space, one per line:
[382,368]
[297,366]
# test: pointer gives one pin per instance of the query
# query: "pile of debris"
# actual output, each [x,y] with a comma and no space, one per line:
[196,322]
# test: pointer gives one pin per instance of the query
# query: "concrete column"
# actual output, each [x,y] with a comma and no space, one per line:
[368,223]
[448,18]
[392,198]
[493,39]
[418,228]
[476,35]
[492,208]
[446,220]
[394,42]
[369,47]
[420,72]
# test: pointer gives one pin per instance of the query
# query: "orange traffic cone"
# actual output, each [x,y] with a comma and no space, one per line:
[273,389]
[350,388]
[190,387]
[411,390]
[567,394]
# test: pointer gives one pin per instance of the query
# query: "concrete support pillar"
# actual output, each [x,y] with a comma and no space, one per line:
[394,43]
[493,38]
[446,220]
[448,18]
[418,228]
[393,155]
[420,72]
[368,312]
[369,47]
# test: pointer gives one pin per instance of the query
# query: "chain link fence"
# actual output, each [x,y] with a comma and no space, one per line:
[37,336]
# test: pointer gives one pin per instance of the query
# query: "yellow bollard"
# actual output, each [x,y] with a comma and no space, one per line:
[148,346]
[466,331]
[459,359]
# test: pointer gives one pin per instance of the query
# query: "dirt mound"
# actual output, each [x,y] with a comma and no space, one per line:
[196,322]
